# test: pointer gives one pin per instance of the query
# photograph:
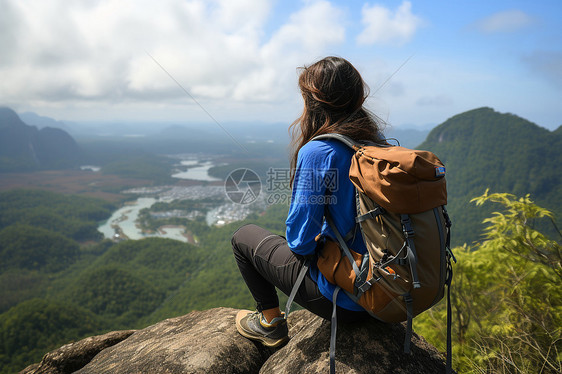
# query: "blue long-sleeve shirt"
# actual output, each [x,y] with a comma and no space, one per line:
[322,182]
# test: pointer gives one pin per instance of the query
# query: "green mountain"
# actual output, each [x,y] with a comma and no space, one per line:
[483,149]
[24,147]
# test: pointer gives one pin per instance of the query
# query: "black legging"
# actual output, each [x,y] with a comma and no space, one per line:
[266,261]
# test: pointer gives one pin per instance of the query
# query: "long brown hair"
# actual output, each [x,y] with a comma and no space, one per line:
[333,93]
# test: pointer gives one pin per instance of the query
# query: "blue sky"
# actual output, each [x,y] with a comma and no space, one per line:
[85,60]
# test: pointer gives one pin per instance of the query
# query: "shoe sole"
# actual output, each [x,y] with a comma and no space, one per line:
[268,342]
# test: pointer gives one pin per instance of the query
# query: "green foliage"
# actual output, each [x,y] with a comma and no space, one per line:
[483,149]
[162,262]
[217,284]
[33,248]
[506,296]
[38,230]
[17,285]
[217,280]
[130,280]
[115,293]
[513,231]
[72,216]
[274,219]
[37,326]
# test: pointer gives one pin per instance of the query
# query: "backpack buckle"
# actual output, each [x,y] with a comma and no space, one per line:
[407,227]
[446,215]
[365,286]
[408,298]
[451,255]
[409,233]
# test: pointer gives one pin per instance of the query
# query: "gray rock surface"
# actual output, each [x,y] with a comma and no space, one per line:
[367,347]
[199,342]
[208,342]
[73,356]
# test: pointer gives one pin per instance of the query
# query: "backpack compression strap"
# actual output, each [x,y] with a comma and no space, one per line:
[362,284]
[409,233]
[296,286]
[448,281]
[449,363]
[333,331]
[360,278]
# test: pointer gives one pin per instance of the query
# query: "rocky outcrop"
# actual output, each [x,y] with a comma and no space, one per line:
[368,347]
[200,342]
[207,342]
[74,356]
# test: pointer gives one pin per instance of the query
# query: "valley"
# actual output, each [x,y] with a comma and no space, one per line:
[143,233]
[80,182]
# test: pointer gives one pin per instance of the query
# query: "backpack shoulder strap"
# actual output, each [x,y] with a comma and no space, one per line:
[355,145]
[342,138]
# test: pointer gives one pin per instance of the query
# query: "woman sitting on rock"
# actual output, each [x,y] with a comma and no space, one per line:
[333,93]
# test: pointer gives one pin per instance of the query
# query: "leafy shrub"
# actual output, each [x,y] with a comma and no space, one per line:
[506,296]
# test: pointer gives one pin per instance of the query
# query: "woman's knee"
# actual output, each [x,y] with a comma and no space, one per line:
[241,235]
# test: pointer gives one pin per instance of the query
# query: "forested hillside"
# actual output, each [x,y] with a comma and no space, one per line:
[56,287]
[484,149]
[72,216]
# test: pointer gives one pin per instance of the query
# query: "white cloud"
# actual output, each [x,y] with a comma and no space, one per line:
[308,33]
[383,26]
[506,21]
[84,52]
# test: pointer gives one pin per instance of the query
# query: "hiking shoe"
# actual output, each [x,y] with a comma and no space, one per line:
[254,326]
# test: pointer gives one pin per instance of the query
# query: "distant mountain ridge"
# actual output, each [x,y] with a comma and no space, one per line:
[482,149]
[25,148]
[34,119]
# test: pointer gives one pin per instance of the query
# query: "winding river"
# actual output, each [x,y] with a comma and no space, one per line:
[123,220]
